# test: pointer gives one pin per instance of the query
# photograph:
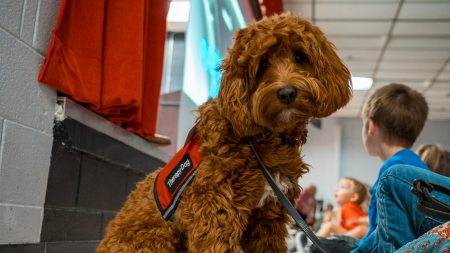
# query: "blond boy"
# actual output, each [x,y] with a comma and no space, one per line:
[349,194]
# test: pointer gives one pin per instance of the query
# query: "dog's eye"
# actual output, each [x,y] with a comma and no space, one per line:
[299,57]
[263,65]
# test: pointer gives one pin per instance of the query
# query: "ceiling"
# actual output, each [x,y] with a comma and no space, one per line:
[403,41]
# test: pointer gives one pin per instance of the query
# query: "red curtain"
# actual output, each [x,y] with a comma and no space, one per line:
[270,7]
[109,55]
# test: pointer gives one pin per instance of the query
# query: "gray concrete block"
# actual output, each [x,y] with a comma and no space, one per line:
[11,15]
[22,98]
[19,224]
[72,247]
[71,225]
[23,248]
[46,20]
[1,131]
[29,21]
[24,166]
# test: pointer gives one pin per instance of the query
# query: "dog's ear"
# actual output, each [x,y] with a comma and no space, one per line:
[233,99]
[235,87]
[333,74]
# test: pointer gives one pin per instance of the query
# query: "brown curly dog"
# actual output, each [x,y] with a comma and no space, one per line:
[280,72]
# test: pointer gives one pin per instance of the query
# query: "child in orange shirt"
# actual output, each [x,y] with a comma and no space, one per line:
[349,195]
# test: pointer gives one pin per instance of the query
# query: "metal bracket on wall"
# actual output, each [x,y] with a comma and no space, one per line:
[59,109]
[67,108]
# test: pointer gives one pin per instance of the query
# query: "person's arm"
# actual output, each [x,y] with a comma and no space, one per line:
[350,214]
[359,221]
[359,232]
[357,225]
[398,210]
[329,227]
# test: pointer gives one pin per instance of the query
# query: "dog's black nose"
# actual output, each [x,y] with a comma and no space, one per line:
[287,94]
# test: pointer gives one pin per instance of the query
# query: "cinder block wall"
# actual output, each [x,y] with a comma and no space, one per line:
[26,117]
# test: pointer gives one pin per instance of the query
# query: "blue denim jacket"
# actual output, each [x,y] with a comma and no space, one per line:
[398,220]
[404,156]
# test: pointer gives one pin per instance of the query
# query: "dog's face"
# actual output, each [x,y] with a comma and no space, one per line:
[279,72]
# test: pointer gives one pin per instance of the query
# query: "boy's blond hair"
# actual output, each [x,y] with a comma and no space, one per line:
[436,158]
[358,188]
[399,111]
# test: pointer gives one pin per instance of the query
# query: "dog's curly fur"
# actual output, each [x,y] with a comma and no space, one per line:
[227,207]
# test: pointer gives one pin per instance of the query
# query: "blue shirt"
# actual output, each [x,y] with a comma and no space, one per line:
[404,156]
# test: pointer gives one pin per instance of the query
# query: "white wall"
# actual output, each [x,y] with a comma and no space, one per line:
[355,162]
[26,117]
[186,119]
[321,151]
[434,132]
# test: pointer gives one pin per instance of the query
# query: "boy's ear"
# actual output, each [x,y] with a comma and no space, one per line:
[371,127]
[354,197]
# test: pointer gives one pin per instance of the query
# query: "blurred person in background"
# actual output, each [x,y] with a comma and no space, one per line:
[436,158]
[306,205]
[350,194]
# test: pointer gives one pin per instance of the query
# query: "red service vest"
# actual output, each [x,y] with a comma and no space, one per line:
[175,176]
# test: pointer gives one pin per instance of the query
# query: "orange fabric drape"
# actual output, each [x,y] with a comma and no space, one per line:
[270,7]
[109,55]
